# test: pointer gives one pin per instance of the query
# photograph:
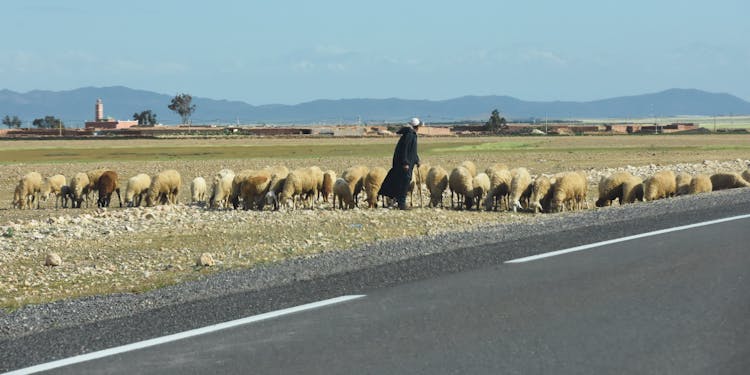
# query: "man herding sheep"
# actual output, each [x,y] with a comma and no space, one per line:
[398,179]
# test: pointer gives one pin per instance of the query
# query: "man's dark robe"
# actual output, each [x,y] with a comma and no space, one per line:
[397,181]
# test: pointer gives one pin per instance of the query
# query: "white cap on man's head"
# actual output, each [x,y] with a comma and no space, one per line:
[415,121]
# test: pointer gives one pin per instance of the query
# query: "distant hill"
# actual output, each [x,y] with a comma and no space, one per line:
[77,106]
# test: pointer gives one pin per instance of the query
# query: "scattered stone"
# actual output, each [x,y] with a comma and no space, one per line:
[205,260]
[52,260]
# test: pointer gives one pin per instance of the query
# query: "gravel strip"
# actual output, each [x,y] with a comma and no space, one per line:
[36,318]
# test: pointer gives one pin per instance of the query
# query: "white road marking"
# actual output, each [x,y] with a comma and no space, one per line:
[623,239]
[179,336]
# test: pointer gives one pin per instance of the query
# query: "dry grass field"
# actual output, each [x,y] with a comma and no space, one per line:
[132,250]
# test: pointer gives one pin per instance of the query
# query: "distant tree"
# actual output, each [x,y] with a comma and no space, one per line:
[145,118]
[495,122]
[12,122]
[182,104]
[48,122]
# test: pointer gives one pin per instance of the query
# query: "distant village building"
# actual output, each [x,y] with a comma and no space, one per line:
[101,122]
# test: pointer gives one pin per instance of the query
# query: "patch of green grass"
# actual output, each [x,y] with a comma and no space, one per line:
[484,147]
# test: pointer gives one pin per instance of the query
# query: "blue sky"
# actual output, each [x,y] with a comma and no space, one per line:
[288,52]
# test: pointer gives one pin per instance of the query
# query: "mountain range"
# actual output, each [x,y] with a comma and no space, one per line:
[76,106]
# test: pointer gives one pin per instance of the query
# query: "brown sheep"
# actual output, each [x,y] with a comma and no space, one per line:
[254,188]
[329,178]
[722,181]
[700,184]
[106,185]
[342,191]
[373,180]
[661,185]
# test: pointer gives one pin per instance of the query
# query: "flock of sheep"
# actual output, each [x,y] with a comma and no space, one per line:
[497,188]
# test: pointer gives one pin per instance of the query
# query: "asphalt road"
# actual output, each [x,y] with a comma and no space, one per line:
[673,303]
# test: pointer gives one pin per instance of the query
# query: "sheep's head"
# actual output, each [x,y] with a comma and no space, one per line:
[270,198]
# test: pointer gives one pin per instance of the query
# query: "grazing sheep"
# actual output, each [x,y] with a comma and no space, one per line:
[437,182]
[79,188]
[329,177]
[470,166]
[93,176]
[722,181]
[235,194]
[342,191]
[520,188]
[460,184]
[700,184]
[611,188]
[198,190]
[137,189]
[373,180]
[274,188]
[632,190]
[500,181]
[164,188]
[53,185]
[682,181]
[254,188]
[106,185]
[481,187]
[541,194]
[494,168]
[355,177]
[661,185]
[746,175]
[222,188]
[27,191]
[65,194]
[570,189]
[301,184]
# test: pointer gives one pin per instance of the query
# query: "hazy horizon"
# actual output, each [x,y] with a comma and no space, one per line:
[289,53]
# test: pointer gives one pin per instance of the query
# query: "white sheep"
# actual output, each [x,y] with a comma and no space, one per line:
[27,191]
[164,188]
[53,185]
[137,189]
[541,194]
[198,190]
[342,191]
[302,184]
[235,194]
[632,190]
[460,183]
[722,181]
[470,166]
[682,181]
[570,190]
[611,188]
[221,189]
[700,184]
[437,182]
[500,181]
[661,185]
[520,188]
[355,177]
[373,181]
[480,187]
[79,188]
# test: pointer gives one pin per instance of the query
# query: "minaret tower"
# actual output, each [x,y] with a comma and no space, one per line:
[99,110]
